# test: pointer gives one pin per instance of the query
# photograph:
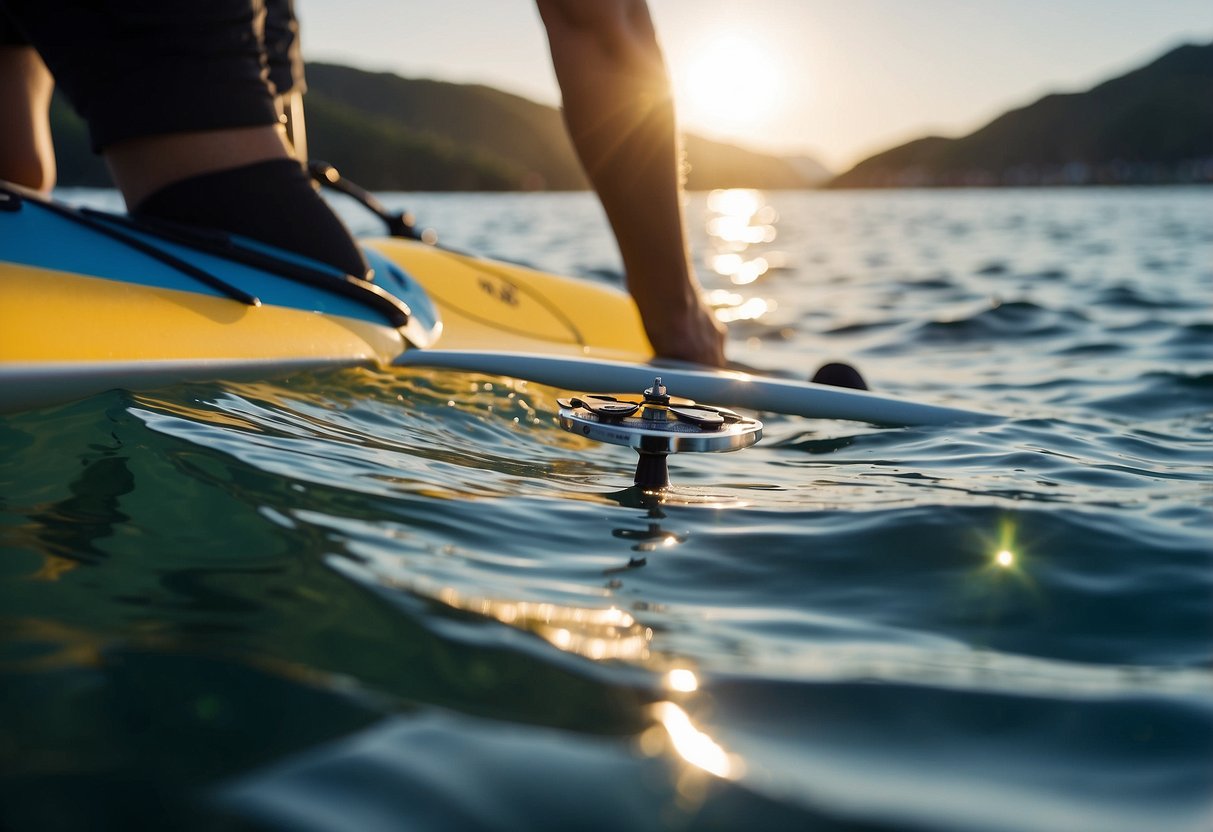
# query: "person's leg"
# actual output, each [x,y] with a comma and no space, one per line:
[27,154]
[177,101]
[285,211]
[142,165]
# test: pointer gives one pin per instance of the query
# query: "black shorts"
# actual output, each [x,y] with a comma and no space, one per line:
[136,68]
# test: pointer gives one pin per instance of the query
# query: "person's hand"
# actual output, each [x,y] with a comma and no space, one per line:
[694,335]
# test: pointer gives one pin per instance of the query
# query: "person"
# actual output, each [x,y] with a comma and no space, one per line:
[187,103]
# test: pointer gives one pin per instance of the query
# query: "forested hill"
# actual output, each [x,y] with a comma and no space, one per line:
[1153,125]
[399,133]
[393,133]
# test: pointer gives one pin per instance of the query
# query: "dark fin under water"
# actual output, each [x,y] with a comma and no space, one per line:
[837,374]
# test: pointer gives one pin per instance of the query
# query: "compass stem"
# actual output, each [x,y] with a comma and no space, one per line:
[652,473]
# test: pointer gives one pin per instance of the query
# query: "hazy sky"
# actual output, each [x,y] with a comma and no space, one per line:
[838,79]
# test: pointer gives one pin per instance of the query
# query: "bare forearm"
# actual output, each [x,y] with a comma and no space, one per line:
[620,117]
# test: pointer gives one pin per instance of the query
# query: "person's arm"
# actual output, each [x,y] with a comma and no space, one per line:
[620,116]
[27,154]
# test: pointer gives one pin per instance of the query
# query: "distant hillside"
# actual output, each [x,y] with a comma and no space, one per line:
[512,142]
[1153,125]
[391,133]
[498,140]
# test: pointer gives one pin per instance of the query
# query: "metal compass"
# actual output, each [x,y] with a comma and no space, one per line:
[657,425]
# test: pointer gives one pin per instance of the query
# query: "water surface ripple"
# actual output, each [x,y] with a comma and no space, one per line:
[397,599]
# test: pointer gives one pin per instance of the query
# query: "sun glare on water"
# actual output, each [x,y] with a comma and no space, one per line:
[728,85]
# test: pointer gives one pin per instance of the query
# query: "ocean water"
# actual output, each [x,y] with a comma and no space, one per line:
[370,599]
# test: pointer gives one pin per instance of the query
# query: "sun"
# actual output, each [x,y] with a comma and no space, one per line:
[728,85]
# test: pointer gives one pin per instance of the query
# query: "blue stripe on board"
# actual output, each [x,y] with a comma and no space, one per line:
[34,236]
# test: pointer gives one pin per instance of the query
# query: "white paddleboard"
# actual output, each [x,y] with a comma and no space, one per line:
[719,387]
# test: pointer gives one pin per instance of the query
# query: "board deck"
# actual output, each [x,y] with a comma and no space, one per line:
[89,303]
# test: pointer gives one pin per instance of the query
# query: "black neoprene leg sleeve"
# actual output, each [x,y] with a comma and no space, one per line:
[272,202]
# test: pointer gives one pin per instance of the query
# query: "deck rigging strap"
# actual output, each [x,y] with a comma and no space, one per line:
[172,261]
[132,233]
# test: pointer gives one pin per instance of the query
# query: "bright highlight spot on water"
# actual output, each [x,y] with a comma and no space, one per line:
[693,745]
[682,680]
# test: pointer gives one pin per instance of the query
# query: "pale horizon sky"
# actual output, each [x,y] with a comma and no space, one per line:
[831,79]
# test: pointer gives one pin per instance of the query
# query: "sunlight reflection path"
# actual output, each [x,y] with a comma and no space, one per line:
[739,222]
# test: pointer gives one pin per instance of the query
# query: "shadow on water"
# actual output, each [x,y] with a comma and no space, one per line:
[73,529]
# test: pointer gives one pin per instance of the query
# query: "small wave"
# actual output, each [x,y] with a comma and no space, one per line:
[1193,341]
[1163,395]
[860,328]
[1094,348]
[938,282]
[998,267]
[1014,319]
[1135,297]
[1051,274]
